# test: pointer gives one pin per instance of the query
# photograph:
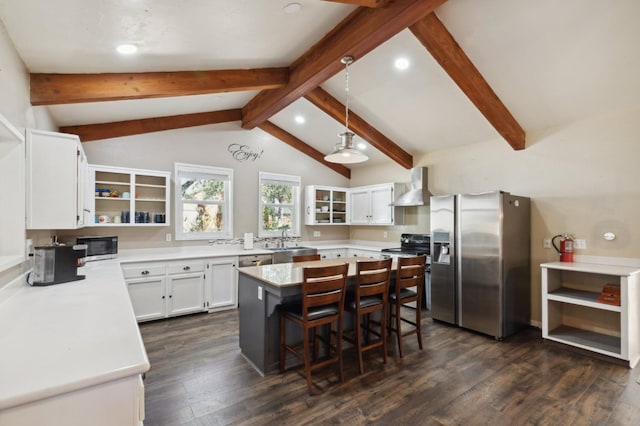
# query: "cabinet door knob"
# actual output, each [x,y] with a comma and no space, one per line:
[186,268]
[145,272]
[163,297]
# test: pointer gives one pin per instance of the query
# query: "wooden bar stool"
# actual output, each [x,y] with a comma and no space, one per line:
[409,273]
[305,258]
[322,303]
[371,293]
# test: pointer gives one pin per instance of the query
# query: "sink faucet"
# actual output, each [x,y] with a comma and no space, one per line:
[284,237]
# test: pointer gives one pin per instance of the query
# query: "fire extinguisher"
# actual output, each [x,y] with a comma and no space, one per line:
[566,247]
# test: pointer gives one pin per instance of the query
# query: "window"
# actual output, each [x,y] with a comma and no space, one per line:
[279,207]
[204,200]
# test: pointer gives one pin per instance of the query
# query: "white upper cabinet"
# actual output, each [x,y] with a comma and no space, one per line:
[12,222]
[370,205]
[56,179]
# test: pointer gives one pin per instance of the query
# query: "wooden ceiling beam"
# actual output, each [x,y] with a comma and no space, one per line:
[51,89]
[92,132]
[359,33]
[296,143]
[363,3]
[440,43]
[333,107]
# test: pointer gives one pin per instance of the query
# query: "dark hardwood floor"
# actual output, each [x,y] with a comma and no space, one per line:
[198,377]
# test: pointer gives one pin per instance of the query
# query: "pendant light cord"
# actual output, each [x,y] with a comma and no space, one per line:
[346,114]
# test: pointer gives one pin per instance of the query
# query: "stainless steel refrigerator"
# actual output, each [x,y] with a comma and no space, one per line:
[480,261]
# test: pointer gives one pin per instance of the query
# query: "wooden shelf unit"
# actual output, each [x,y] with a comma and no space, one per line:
[571,313]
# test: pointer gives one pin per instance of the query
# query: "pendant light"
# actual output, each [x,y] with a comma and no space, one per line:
[344,151]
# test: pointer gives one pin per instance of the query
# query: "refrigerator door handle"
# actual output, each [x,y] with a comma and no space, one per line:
[457,252]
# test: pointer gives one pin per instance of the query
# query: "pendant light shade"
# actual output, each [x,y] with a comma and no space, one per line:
[344,151]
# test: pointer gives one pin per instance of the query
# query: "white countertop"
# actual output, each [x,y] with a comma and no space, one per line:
[64,337]
[69,336]
[221,250]
[596,268]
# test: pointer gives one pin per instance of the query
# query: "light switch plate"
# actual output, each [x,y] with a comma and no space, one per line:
[259,293]
[316,233]
[580,244]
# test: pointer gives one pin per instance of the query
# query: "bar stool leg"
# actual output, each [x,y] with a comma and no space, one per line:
[398,328]
[307,358]
[383,333]
[418,326]
[358,331]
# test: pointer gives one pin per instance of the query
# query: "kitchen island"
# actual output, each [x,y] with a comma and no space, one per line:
[261,289]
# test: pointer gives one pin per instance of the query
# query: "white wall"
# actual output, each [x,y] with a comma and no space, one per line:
[14,87]
[582,179]
[208,145]
[15,107]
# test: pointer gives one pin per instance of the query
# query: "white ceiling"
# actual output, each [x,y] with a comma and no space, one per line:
[550,62]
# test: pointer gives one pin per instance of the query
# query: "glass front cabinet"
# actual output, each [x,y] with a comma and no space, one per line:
[326,205]
[129,197]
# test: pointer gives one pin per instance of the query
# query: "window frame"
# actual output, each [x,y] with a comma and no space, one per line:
[182,169]
[296,207]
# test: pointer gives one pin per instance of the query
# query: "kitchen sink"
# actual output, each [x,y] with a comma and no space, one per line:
[285,254]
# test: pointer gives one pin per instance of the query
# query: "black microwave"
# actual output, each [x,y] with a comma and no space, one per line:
[99,248]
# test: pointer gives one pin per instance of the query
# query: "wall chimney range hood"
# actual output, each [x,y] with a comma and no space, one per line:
[419,194]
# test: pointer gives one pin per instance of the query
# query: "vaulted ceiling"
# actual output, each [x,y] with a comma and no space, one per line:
[496,69]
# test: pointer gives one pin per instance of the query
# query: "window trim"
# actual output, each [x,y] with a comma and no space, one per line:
[296,207]
[211,172]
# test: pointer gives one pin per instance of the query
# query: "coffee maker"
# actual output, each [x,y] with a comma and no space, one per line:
[57,264]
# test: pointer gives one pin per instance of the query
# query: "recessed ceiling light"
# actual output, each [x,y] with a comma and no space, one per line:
[362,146]
[402,63]
[127,49]
[292,8]
[299,119]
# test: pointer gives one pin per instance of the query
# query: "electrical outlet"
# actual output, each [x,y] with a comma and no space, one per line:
[580,244]
[385,234]
[316,233]
[259,293]
[546,243]
[167,237]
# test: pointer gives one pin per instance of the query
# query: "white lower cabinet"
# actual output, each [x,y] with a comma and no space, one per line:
[332,253]
[185,294]
[163,289]
[178,287]
[147,297]
[221,284]
[118,402]
[371,254]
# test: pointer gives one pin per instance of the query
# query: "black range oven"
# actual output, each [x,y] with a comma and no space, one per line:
[415,245]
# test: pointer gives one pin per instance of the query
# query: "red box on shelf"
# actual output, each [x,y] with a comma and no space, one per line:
[610,295]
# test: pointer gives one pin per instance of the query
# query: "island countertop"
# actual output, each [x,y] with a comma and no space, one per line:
[291,274]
